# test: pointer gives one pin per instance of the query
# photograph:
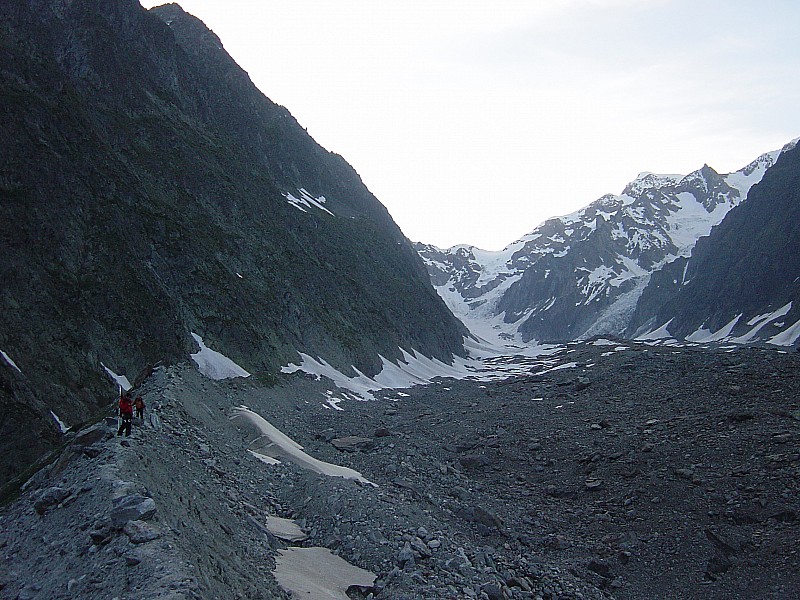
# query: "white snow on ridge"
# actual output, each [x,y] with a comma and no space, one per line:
[121,380]
[306,200]
[745,178]
[703,335]
[788,337]
[10,362]
[282,446]
[214,365]
[692,221]
[417,369]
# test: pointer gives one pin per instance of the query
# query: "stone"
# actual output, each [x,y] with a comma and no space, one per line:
[405,556]
[131,508]
[593,484]
[420,548]
[49,498]
[600,567]
[352,443]
[139,532]
[91,436]
[478,514]
[492,591]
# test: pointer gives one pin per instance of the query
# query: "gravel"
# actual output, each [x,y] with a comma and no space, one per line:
[637,472]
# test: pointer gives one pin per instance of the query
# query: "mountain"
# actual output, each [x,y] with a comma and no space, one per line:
[741,283]
[148,192]
[585,274]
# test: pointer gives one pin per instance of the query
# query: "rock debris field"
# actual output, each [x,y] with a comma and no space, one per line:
[609,470]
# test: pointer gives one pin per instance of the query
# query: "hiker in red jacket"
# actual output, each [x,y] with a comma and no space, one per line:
[125,414]
[138,404]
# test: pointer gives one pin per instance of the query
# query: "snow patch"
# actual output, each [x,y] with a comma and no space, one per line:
[660,333]
[275,445]
[306,200]
[10,362]
[759,322]
[317,573]
[62,427]
[703,335]
[486,363]
[214,365]
[788,337]
[121,380]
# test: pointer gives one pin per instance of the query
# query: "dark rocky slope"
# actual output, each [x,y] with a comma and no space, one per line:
[748,266]
[638,473]
[144,194]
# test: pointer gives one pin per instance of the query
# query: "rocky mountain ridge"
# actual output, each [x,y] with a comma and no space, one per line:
[742,283]
[583,274]
[148,192]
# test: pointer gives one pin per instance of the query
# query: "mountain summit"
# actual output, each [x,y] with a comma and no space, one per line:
[741,283]
[584,274]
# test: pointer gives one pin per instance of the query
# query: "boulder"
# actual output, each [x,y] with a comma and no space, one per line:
[132,507]
[352,443]
[48,498]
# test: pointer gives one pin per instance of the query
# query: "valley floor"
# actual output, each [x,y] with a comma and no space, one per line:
[610,470]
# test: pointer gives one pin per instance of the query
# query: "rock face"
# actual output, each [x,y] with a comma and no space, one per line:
[147,191]
[584,274]
[741,283]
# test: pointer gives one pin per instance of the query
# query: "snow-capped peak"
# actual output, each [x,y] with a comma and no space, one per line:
[583,273]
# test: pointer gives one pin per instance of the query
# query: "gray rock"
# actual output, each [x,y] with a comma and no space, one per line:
[405,556]
[474,461]
[92,436]
[352,443]
[139,532]
[29,592]
[130,508]
[478,514]
[492,591]
[420,548]
[48,498]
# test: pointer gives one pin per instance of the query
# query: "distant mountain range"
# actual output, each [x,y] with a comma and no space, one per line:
[630,265]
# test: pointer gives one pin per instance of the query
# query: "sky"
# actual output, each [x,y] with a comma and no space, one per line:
[475,121]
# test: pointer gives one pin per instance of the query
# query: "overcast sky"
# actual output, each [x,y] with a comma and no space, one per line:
[474,121]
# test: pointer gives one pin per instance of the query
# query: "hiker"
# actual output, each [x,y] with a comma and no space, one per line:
[138,404]
[125,414]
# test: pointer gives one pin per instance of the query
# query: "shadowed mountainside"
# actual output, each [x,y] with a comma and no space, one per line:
[745,277]
[148,190]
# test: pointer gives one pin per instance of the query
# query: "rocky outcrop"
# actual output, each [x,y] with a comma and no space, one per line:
[149,191]
[743,280]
